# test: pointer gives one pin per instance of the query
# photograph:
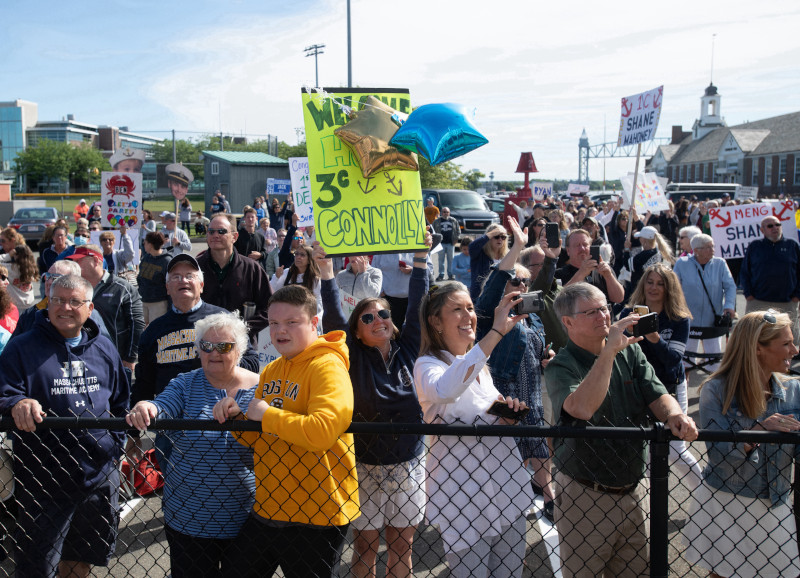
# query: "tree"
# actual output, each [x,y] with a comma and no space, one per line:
[86,164]
[446,175]
[286,151]
[47,162]
[473,179]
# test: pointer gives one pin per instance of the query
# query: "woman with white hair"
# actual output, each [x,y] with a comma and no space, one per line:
[209,483]
[709,289]
[685,237]
[655,249]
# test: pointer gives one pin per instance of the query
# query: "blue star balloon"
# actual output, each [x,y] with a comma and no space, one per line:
[439,132]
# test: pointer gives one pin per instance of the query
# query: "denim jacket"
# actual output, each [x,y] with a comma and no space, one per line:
[506,357]
[766,471]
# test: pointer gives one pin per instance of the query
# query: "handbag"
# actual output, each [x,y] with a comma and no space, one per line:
[724,320]
[147,476]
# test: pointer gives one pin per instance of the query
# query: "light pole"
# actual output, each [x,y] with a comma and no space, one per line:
[315,50]
[349,51]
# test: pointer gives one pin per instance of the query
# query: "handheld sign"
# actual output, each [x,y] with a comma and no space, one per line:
[577,190]
[649,193]
[301,191]
[639,117]
[355,215]
[540,191]
[121,199]
[734,228]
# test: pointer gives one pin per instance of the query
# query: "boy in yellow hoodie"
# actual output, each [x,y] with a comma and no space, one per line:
[306,486]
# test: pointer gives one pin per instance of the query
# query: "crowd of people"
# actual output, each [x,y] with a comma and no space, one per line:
[390,339]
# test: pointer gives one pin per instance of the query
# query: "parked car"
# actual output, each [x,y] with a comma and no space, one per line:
[468,208]
[32,221]
[497,204]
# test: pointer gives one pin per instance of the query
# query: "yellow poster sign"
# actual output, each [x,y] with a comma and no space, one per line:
[354,215]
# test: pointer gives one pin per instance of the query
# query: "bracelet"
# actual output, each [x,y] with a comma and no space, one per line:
[420,260]
[496,331]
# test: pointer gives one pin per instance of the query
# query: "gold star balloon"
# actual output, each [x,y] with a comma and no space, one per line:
[368,133]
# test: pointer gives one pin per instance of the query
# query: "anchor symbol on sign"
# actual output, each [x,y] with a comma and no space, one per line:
[658,97]
[787,206]
[390,181]
[714,214]
[626,108]
[366,189]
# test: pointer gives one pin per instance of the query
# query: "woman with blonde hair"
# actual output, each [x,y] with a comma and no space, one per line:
[655,249]
[741,522]
[660,291]
[485,251]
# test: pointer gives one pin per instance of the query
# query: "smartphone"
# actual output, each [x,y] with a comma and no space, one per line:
[641,310]
[501,409]
[401,264]
[552,235]
[647,324]
[594,251]
[532,302]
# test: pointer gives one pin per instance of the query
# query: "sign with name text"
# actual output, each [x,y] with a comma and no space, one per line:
[639,117]
[734,228]
[355,215]
[540,191]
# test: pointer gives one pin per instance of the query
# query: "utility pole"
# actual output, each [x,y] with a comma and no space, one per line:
[315,50]
[349,51]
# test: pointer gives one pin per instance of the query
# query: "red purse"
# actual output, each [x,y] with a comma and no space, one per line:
[147,476]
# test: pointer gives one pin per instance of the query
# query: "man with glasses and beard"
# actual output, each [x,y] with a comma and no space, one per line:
[231,279]
[601,378]
[770,274]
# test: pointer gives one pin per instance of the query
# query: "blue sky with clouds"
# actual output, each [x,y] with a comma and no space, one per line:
[536,73]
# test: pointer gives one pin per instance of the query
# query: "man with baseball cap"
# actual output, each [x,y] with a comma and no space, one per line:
[118,302]
[127,160]
[177,239]
[166,348]
[178,180]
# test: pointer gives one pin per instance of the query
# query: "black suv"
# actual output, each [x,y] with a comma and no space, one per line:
[468,208]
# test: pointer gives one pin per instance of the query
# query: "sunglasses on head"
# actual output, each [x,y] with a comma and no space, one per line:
[221,347]
[368,318]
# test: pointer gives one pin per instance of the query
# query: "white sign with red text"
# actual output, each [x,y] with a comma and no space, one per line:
[649,193]
[639,117]
[301,191]
[734,228]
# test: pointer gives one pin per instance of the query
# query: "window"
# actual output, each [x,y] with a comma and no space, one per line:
[754,181]
[768,171]
[215,168]
[701,168]
[796,170]
[781,170]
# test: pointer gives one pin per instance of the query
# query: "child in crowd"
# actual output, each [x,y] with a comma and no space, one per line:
[461,269]
[304,403]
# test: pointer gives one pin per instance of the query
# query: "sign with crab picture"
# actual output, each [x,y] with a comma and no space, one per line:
[121,199]
[734,228]
[366,195]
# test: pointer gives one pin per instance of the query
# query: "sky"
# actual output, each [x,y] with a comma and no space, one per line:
[536,74]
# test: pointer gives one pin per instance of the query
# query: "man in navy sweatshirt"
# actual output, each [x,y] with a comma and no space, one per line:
[770,274]
[67,479]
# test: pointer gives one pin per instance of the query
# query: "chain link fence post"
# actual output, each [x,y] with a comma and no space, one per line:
[659,502]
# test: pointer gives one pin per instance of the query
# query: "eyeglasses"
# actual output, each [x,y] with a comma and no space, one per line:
[177,277]
[217,231]
[3,277]
[74,303]
[368,318]
[297,238]
[221,347]
[772,225]
[516,282]
[48,275]
[503,237]
[589,313]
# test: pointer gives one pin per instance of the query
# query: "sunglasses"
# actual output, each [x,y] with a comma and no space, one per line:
[3,277]
[217,231]
[221,347]
[503,237]
[772,225]
[368,318]
[516,282]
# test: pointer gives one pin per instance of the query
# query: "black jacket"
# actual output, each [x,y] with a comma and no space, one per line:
[120,306]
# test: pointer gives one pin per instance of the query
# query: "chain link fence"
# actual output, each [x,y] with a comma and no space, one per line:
[129,517]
